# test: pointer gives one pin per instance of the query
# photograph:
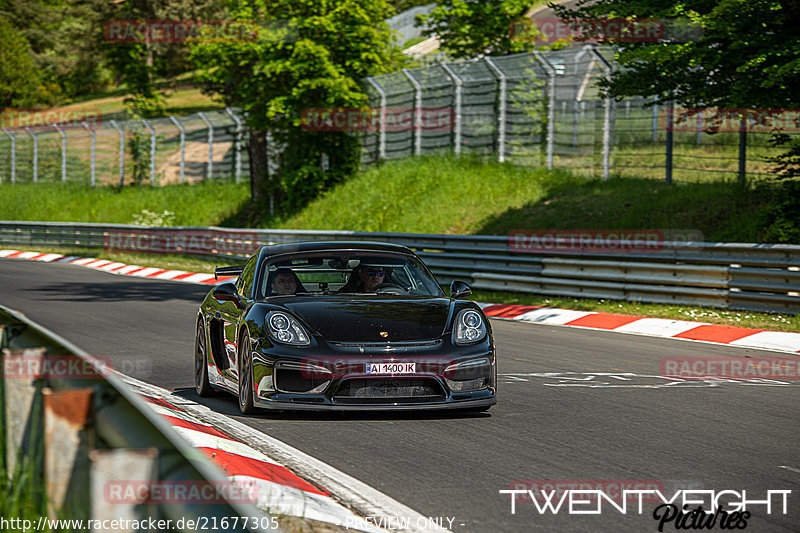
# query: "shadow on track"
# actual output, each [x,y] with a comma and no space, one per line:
[122,289]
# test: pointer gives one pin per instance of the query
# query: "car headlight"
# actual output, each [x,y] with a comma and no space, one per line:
[285,329]
[468,327]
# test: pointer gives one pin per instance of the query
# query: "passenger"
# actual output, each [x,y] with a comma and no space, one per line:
[284,283]
[364,279]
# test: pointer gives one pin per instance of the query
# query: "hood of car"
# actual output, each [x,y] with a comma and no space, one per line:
[378,319]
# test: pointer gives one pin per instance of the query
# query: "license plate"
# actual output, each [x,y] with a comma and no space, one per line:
[391,368]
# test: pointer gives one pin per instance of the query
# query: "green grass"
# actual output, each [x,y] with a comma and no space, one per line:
[443,194]
[203,204]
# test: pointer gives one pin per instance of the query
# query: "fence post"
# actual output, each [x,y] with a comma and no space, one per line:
[551,105]
[35,153]
[13,154]
[655,122]
[182,131]
[121,152]
[668,162]
[152,151]
[608,118]
[578,93]
[63,151]
[94,150]
[382,130]
[417,112]
[237,145]
[210,167]
[458,84]
[501,110]
[699,127]
[742,147]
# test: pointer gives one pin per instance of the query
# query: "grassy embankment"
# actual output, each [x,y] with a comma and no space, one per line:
[441,195]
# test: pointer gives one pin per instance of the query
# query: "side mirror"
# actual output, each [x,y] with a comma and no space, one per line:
[459,289]
[226,292]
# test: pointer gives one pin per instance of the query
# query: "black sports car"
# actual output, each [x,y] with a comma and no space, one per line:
[343,325]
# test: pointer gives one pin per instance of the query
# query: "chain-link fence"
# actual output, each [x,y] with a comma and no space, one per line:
[545,108]
[541,108]
[205,145]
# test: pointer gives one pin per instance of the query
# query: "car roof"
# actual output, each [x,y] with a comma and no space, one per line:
[319,246]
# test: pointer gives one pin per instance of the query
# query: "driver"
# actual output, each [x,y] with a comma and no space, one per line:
[365,279]
[284,283]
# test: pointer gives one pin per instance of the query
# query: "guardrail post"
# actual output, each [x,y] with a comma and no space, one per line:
[121,466]
[417,112]
[23,408]
[210,167]
[458,89]
[608,118]
[13,154]
[550,71]
[152,150]
[68,437]
[237,145]
[63,151]
[121,152]
[501,110]
[182,131]
[382,130]
[35,153]
[94,150]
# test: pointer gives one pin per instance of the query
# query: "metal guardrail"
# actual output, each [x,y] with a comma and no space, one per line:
[758,277]
[82,430]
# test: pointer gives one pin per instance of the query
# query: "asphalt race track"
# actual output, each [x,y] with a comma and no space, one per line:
[577,426]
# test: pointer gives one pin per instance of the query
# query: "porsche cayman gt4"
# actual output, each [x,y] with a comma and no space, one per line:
[343,325]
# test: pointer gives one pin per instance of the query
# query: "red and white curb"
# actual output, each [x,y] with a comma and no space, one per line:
[256,460]
[779,341]
[123,269]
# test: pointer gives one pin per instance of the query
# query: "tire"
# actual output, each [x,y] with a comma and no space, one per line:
[245,377]
[201,383]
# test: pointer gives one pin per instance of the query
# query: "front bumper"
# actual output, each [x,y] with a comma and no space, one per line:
[342,384]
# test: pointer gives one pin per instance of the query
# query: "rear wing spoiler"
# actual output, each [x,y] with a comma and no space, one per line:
[228,271]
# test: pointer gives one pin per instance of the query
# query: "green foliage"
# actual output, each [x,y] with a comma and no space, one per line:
[66,38]
[307,54]
[736,54]
[18,76]
[468,28]
[783,223]
[739,54]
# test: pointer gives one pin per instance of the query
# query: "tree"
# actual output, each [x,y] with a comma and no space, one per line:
[745,54]
[305,54]
[18,76]
[468,28]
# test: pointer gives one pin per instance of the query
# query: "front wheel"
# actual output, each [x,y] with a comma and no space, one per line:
[245,376]
[201,383]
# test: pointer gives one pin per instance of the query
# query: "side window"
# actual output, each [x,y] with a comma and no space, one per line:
[245,282]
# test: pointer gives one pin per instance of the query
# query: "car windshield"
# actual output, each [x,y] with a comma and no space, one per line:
[351,273]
